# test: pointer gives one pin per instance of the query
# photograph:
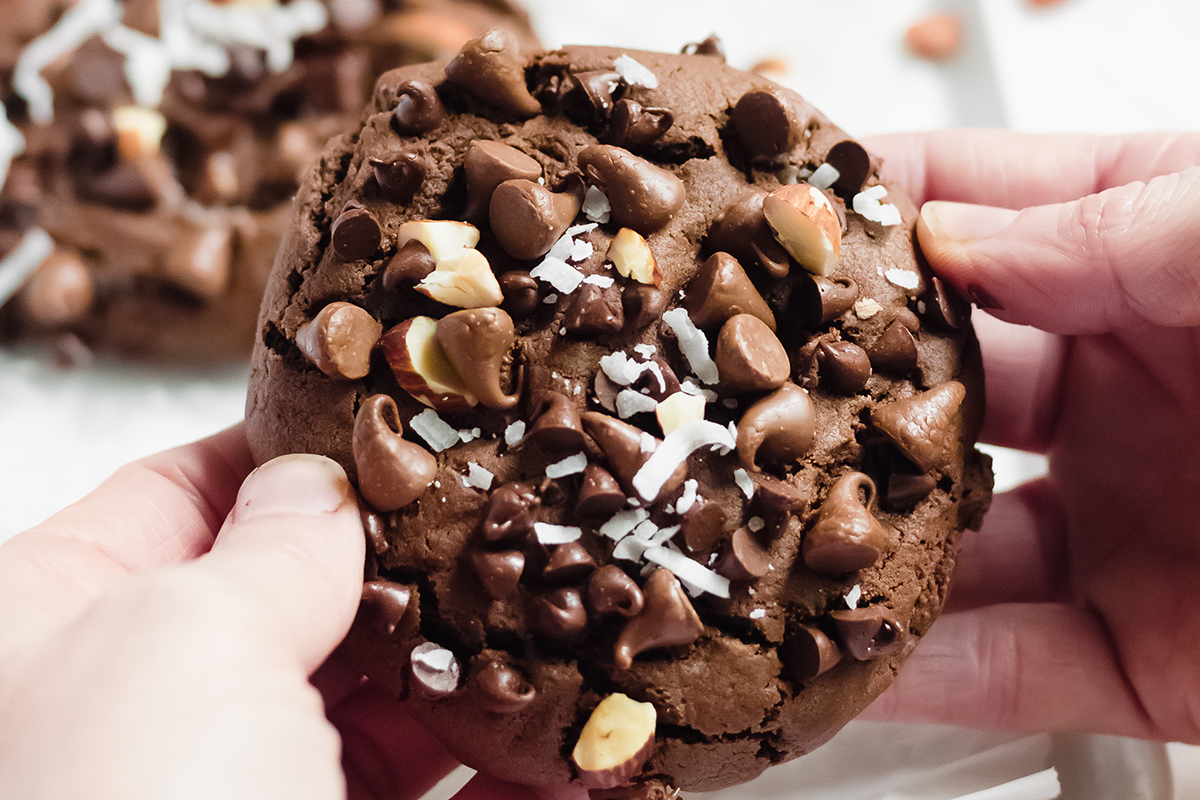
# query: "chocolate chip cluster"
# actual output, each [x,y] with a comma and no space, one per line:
[635,367]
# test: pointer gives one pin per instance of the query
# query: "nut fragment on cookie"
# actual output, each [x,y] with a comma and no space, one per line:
[461,276]
[805,222]
[615,741]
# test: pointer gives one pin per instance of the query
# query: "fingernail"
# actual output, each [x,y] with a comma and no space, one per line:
[293,484]
[964,222]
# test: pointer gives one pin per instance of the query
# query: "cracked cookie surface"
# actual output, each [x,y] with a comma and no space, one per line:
[661,427]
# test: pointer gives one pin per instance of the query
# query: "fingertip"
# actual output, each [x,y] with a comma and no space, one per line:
[943,221]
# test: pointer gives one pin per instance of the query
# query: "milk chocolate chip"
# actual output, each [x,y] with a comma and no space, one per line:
[744,559]
[556,423]
[477,341]
[807,652]
[59,292]
[490,67]
[489,164]
[926,427]
[569,563]
[600,496]
[895,351]
[412,263]
[667,619]
[642,304]
[701,526]
[392,471]
[643,196]
[721,289]
[742,230]
[339,340]
[501,689]
[846,537]
[508,512]
[418,108]
[521,293]
[594,311]
[200,261]
[777,429]
[838,365]
[434,670]
[633,127]
[527,218]
[749,357]
[869,633]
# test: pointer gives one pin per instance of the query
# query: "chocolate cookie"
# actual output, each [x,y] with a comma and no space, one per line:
[664,434]
[145,208]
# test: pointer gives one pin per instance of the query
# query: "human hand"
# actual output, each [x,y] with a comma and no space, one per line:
[156,645]
[1074,607]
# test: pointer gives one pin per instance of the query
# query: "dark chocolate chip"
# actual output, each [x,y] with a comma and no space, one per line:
[667,618]
[527,218]
[869,633]
[356,234]
[836,296]
[521,293]
[611,591]
[501,689]
[569,563]
[842,366]
[711,46]
[489,164]
[774,498]
[945,306]
[600,495]
[509,512]
[749,356]
[743,559]
[633,127]
[642,196]
[720,290]
[594,92]
[853,165]
[400,178]
[904,489]
[657,384]
[807,652]
[433,670]
[375,529]
[556,423]
[622,447]
[384,605]
[895,351]
[560,612]
[766,123]
[499,572]
[490,67]
[642,304]
[418,108]
[593,310]
[411,264]
[846,536]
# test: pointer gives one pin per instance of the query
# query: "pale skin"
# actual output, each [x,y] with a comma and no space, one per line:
[155,645]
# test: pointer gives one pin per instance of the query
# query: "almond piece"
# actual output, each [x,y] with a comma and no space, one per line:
[422,367]
[806,224]
[631,255]
[615,741]
[462,276]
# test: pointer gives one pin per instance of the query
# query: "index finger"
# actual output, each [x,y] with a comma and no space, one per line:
[1016,170]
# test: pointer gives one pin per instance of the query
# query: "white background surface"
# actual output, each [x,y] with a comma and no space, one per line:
[1086,65]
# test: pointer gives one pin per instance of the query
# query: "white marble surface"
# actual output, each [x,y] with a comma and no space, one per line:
[1086,65]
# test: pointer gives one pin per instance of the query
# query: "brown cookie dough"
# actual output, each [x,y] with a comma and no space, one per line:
[164,215]
[667,441]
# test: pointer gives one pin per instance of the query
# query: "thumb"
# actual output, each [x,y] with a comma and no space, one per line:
[291,552]
[1115,259]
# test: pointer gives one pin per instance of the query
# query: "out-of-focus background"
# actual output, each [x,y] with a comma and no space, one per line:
[1074,65]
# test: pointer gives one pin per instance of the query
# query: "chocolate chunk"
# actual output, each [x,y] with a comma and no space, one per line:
[642,304]
[777,429]
[501,689]
[411,264]
[569,563]
[339,340]
[400,178]
[749,357]
[667,619]
[643,196]
[611,591]
[593,310]
[926,427]
[392,471]
[433,670]
[767,124]
[527,218]
[600,495]
[633,127]
[418,108]
[869,633]
[743,559]
[895,351]
[477,341]
[560,613]
[846,536]
[556,423]
[499,572]
[853,165]
[521,293]
[807,652]
[508,512]
[741,229]
[720,290]
[489,164]
[945,306]
[701,526]
[384,605]
[356,234]
[490,67]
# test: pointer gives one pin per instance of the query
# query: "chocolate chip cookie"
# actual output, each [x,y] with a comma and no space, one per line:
[143,208]
[664,433]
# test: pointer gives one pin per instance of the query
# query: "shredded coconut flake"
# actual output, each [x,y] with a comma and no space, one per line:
[904,278]
[558,273]
[623,522]
[571,465]
[744,482]
[867,203]
[695,577]
[693,344]
[867,307]
[433,658]
[852,596]
[631,401]
[556,534]
[645,350]
[674,450]
[514,433]
[620,368]
[596,206]
[758,613]
[647,443]
[434,430]
[691,387]
[603,281]
[688,498]
[550,299]
[479,477]
[634,73]
[630,549]
[824,176]
[469,435]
